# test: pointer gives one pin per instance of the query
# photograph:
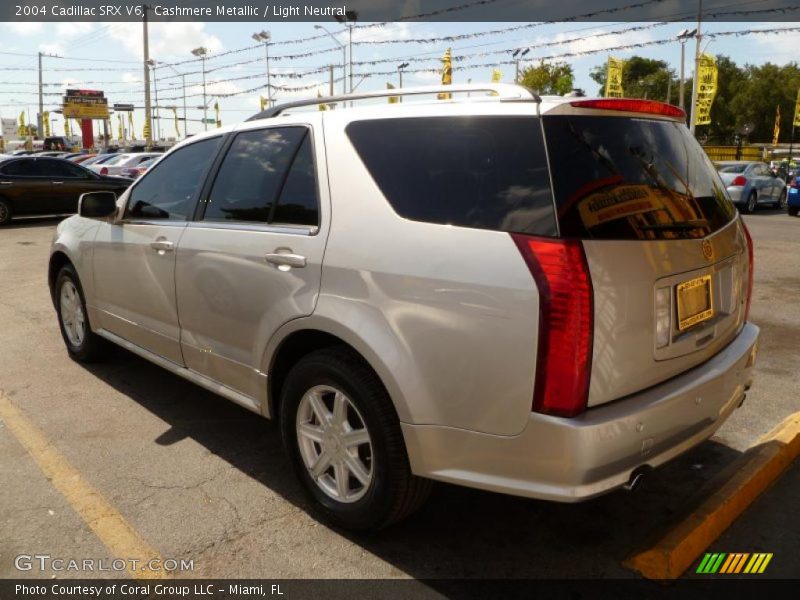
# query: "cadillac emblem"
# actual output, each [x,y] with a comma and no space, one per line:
[708,250]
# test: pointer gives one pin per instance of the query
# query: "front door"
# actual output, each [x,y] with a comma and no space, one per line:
[134,257]
[253,260]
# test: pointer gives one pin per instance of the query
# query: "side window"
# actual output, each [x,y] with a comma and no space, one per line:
[298,204]
[168,190]
[21,168]
[252,174]
[59,168]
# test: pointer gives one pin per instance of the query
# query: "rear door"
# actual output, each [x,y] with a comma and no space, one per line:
[763,182]
[22,183]
[667,255]
[253,259]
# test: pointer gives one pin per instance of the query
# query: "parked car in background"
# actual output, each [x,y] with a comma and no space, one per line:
[126,161]
[544,297]
[52,153]
[751,184]
[32,185]
[793,203]
[98,159]
[140,169]
[82,158]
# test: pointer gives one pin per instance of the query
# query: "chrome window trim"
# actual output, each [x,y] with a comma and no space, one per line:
[307,230]
[157,222]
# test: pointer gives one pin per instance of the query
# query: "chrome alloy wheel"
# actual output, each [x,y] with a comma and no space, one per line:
[334,443]
[72,316]
[3,212]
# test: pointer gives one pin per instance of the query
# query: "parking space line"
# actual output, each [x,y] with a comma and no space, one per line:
[735,489]
[121,539]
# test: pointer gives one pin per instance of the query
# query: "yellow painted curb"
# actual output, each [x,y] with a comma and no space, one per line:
[736,488]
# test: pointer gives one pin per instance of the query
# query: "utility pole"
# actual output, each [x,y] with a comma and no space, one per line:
[147,107]
[330,77]
[40,118]
[695,79]
[201,52]
[264,37]
[344,56]
[157,125]
[683,37]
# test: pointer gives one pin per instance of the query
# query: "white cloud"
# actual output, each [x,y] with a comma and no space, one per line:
[776,48]
[73,30]
[131,78]
[168,41]
[390,31]
[26,28]
[55,48]
[590,41]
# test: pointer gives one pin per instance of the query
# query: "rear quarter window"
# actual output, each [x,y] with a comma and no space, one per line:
[479,172]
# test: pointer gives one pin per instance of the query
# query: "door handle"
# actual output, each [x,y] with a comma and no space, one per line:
[6,183]
[58,183]
[162,246]
[285,260]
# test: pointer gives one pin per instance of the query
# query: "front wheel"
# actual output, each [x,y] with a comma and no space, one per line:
[83,345]
[343,436]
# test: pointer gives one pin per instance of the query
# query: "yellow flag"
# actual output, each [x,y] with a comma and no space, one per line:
[175,115]
[796,120]
[392,99]
[706,88]
[776,131]
[497,75]
[447,73]
[263,102]
[321,105]
[23,131]
[46,123]
[120,128]
[614,77]
[216,113]
[146,129]
[67,128]
[131,129]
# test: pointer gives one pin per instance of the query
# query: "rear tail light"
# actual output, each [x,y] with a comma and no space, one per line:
[740,180]
[566,323]
[750,267]
[104,171]
[632,105]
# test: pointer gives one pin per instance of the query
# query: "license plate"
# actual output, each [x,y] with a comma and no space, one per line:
[694,302]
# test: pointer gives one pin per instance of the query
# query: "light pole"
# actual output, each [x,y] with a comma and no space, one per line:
[183,85]
[201,52]
[400,68]
[695,80]
[517,56]
[684,36]
[264,37]
[153,64]
[344,56]
[349,20]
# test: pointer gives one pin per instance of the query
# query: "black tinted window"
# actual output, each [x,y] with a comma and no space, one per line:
[167,191]
[298,202]
[22,168]
[252,174]
[483,172]
[60,168]
[623,178]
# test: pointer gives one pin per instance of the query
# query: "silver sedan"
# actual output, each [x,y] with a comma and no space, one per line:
[750,184]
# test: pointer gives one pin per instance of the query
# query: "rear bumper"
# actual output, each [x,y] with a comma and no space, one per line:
[569,460]
[735,192]
[794,197]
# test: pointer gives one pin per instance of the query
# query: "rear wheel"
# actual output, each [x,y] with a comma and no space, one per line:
[752,202]
[782,200]
[343,436]
[82,343]
[6,212]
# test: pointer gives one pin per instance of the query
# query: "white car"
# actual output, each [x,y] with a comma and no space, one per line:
[123,161]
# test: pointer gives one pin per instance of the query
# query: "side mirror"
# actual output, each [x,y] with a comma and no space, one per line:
[97,205]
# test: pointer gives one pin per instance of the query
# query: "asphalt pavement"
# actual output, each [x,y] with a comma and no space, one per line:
[202,479]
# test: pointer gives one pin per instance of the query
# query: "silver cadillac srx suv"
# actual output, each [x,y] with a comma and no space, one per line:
[537,296]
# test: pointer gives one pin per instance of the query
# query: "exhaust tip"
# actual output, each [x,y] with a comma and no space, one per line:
[637,477]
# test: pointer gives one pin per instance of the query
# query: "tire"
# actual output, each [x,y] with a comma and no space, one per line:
[83,345]
[6,212]
[751,204]
[793,210]
[380,489]
[782,200]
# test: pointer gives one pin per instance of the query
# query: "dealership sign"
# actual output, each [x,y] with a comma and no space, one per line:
[10,129]
[85,104]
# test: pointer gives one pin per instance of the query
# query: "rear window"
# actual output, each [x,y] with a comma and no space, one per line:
[480,172]
[732,168]
[629,178]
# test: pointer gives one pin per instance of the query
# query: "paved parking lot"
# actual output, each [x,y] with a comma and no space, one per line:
[200,478]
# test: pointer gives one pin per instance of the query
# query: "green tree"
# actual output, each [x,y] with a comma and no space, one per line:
[642,78]
[548,78]
[764,88]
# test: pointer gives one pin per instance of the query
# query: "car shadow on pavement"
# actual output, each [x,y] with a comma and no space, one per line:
[33,222]
[459,533]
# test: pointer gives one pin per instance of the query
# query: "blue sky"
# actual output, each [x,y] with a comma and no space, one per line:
[108,57]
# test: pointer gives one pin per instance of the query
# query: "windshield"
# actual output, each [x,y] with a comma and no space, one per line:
[632,178]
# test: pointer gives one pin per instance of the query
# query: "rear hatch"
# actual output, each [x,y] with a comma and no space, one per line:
[667,255]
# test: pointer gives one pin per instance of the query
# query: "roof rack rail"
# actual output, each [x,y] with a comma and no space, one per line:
[502,92]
